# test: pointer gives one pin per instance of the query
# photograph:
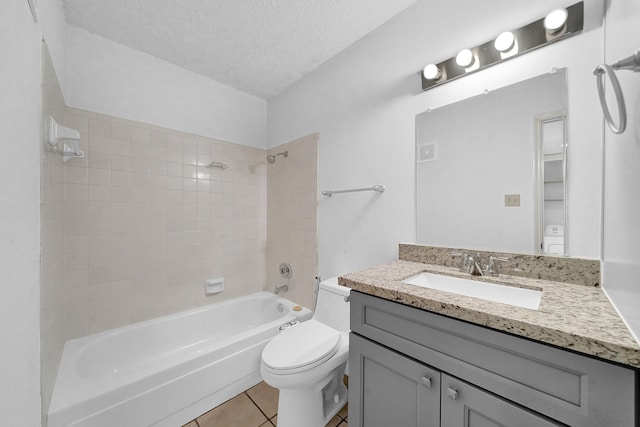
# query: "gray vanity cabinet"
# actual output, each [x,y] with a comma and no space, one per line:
[394,390]
[469,406]
[410,367]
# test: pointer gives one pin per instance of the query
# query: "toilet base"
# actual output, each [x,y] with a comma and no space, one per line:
[315,406]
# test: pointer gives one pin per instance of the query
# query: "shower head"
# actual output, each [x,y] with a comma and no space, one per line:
[271,158]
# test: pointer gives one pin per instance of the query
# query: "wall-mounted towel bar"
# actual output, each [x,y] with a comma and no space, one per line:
[65,140]
[378,188]
[217,165]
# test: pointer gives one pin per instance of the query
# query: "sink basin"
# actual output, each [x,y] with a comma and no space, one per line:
[520,297]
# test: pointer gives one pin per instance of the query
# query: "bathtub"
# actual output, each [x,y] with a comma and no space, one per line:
[167,371]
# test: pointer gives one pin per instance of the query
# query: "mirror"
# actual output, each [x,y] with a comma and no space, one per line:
[491,169]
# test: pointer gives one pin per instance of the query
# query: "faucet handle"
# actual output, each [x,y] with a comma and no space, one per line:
[492,269]
[464,261]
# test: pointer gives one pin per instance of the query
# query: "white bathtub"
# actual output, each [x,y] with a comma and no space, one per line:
[167,371]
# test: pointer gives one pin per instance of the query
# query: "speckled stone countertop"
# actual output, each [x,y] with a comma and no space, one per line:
[571,316]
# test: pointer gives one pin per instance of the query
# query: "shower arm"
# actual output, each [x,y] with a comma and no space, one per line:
[271,158]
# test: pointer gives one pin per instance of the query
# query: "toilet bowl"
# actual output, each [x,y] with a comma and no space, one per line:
[307,362]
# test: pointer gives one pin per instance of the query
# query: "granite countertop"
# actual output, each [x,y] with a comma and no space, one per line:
[571,316]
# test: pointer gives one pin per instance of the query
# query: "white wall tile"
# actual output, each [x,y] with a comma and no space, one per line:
[141,214]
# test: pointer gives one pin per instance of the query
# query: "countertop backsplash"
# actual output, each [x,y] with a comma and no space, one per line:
[556,268]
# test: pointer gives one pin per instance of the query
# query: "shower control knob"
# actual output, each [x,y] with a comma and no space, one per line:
[285,270]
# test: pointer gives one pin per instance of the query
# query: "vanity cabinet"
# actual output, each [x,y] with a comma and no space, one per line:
[395,390]
[410,367]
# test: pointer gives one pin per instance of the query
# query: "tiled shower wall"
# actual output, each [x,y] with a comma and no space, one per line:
[292,218]
[146,222]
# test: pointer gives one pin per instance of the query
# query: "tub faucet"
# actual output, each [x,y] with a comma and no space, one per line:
[278,289]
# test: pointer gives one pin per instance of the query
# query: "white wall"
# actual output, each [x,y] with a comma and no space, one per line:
[363,103]
[621,253]
[20,47]
[109,78]
[53,25]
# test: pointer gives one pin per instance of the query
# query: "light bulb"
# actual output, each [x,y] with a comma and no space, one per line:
[464,58]
[431,72]
[556,20]
[504,41]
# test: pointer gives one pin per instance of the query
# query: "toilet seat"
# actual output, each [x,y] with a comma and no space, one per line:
[301,347]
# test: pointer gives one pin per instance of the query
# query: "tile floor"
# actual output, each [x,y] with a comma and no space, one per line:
[256,407]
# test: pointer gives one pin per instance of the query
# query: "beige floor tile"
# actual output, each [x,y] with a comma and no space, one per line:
[266,397]
[237,412]
[191,424]
[267,424]
[344,411]
[335,421]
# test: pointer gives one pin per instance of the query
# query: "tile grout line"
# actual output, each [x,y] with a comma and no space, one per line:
[259,408]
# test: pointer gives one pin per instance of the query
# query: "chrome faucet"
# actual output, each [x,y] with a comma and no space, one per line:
[476,268]
[464,261]
[473,265]
[278,289]
[492,268]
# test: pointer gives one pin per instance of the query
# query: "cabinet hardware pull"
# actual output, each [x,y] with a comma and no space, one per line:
[452,393]
[426,381]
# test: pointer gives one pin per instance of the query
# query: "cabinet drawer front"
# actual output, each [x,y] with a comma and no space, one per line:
[573,389]
[464,405]
[392,390]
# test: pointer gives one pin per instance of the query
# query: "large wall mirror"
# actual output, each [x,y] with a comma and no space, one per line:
[491,170]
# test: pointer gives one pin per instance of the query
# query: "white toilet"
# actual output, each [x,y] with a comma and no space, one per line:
[307,362]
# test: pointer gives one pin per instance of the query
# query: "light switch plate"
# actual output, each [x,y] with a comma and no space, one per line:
[511,200]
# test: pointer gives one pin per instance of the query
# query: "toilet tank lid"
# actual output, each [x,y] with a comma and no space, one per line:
[331,285]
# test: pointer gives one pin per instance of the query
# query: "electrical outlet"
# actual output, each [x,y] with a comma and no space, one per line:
[511,200]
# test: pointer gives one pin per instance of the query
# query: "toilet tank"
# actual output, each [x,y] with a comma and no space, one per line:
[331,307]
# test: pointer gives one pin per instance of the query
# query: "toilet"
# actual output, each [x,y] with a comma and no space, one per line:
[307,361]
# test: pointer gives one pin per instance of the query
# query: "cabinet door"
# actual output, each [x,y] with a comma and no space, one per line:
[466,406]
[388,389]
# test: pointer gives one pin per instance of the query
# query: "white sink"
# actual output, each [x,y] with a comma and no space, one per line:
[520,297]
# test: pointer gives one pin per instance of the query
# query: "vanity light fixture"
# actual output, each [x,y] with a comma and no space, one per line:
[506,44]
[431,72]
[555,21]
[465,58]
[556,26]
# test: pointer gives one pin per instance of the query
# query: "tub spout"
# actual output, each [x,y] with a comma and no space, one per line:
[278,289]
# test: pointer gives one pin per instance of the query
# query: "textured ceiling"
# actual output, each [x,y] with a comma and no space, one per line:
[257,46]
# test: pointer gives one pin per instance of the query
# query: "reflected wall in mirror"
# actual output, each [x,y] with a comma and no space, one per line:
[481,169]
[551,155]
